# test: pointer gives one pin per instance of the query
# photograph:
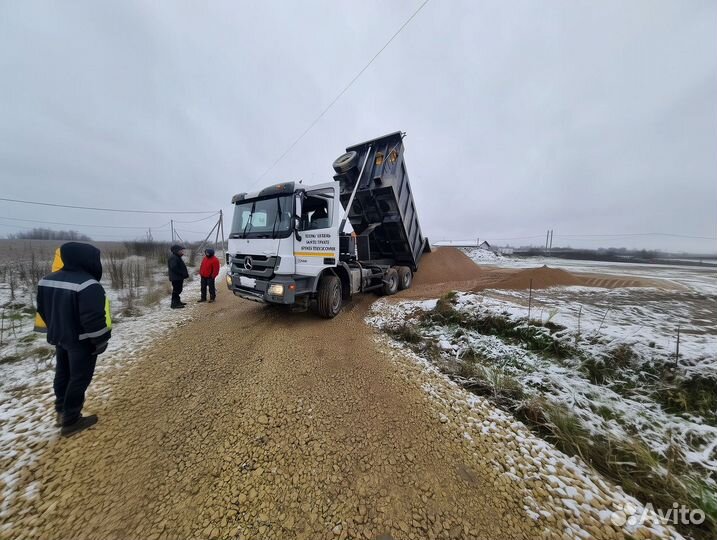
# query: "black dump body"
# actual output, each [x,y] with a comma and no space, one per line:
[383,213]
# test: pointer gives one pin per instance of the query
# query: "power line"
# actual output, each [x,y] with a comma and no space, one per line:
[85,224]
[338,96]
[198,220]
[193,232]
[37,203]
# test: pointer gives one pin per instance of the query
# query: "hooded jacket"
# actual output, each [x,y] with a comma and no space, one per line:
[71,304]
[175,265]
[210,265]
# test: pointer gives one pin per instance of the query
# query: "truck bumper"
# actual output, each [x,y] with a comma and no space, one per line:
[280,290]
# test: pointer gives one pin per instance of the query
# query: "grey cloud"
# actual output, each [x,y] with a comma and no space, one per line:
[587,117]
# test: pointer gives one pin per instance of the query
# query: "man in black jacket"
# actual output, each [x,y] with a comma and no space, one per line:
[177,274]
[74,311]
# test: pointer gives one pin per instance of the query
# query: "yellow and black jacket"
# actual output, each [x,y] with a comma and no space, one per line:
[71,304]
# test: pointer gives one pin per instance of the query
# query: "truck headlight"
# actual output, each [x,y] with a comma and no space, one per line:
[229,281]
[276,290]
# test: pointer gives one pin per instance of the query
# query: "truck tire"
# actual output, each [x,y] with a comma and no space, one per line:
[390,282]
[329,297]
[346,162]
[405,277]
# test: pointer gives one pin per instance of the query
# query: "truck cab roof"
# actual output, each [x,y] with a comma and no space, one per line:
[284,188]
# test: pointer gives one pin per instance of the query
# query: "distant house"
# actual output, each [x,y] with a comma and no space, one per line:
[485,245]
[506,251]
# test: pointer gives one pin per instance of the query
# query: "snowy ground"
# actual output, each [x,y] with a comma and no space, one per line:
[558,489]
[697,279]
[483,255]
[27,365]
[617,354]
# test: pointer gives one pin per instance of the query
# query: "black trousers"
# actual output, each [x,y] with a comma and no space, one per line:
[208,282]
[73,373]
[177,286]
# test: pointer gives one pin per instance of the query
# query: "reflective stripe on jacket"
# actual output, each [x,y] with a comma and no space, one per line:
[71,304]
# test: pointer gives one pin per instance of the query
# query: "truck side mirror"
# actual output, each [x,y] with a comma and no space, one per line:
[297,224]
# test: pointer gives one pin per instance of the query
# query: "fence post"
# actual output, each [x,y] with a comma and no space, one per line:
[530,299]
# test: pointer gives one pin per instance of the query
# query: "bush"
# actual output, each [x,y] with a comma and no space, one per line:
[39,233]
[405,332]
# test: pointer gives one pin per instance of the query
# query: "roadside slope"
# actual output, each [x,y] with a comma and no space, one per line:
[252,422]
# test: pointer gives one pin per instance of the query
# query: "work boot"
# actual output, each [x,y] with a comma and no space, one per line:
[202,300]
[182,304]
[58,419]
[81,424]
[211,300]
[177,306]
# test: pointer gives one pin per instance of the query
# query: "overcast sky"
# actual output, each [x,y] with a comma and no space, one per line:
[590,118]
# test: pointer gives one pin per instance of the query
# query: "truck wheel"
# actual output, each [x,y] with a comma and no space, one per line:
[329,297]
[346,161]
[390,282]
[405,277]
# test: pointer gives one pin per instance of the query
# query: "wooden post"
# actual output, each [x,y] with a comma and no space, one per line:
[530,298]
[171,223]
[677,349]
[221,226]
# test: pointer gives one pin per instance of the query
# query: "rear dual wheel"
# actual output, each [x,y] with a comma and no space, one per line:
[405,277]
[390,282]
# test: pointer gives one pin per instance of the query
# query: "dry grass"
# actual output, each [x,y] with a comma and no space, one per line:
[659,479]
[154,295]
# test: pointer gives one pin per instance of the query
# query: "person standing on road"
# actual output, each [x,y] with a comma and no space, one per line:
[177,274]
[74,311]
[208,271]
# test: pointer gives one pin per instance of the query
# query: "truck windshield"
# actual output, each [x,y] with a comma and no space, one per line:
[263,218]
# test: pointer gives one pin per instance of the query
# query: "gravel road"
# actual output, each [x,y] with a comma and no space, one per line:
[251,422]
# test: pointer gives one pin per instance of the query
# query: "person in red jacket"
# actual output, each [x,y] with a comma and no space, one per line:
[208,271]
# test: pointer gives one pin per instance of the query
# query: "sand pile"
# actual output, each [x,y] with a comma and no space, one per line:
[449,269]
[445,264]
[540,278]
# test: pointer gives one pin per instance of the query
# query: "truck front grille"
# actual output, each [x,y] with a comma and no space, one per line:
[256,266]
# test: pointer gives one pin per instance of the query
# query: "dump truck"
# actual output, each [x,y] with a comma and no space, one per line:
[289,244]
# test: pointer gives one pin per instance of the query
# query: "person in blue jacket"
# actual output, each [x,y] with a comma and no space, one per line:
[73,310]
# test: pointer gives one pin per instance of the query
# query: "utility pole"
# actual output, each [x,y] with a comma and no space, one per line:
[550,249]
[221,226]
[547,237]
[171,222]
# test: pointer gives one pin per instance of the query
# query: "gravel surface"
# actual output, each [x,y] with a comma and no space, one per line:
[251,422]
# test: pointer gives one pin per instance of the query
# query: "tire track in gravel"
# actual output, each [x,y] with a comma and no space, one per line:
[252,422]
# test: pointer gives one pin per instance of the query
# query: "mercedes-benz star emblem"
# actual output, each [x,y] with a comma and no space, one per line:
[248,263]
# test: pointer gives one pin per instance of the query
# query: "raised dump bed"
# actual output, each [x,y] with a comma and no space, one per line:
[383,213]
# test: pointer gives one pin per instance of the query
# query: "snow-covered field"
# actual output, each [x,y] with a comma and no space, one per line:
[27,365]
[701,280]
[480,255]
[605,357]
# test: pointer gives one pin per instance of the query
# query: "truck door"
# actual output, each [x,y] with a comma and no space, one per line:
[319,244]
